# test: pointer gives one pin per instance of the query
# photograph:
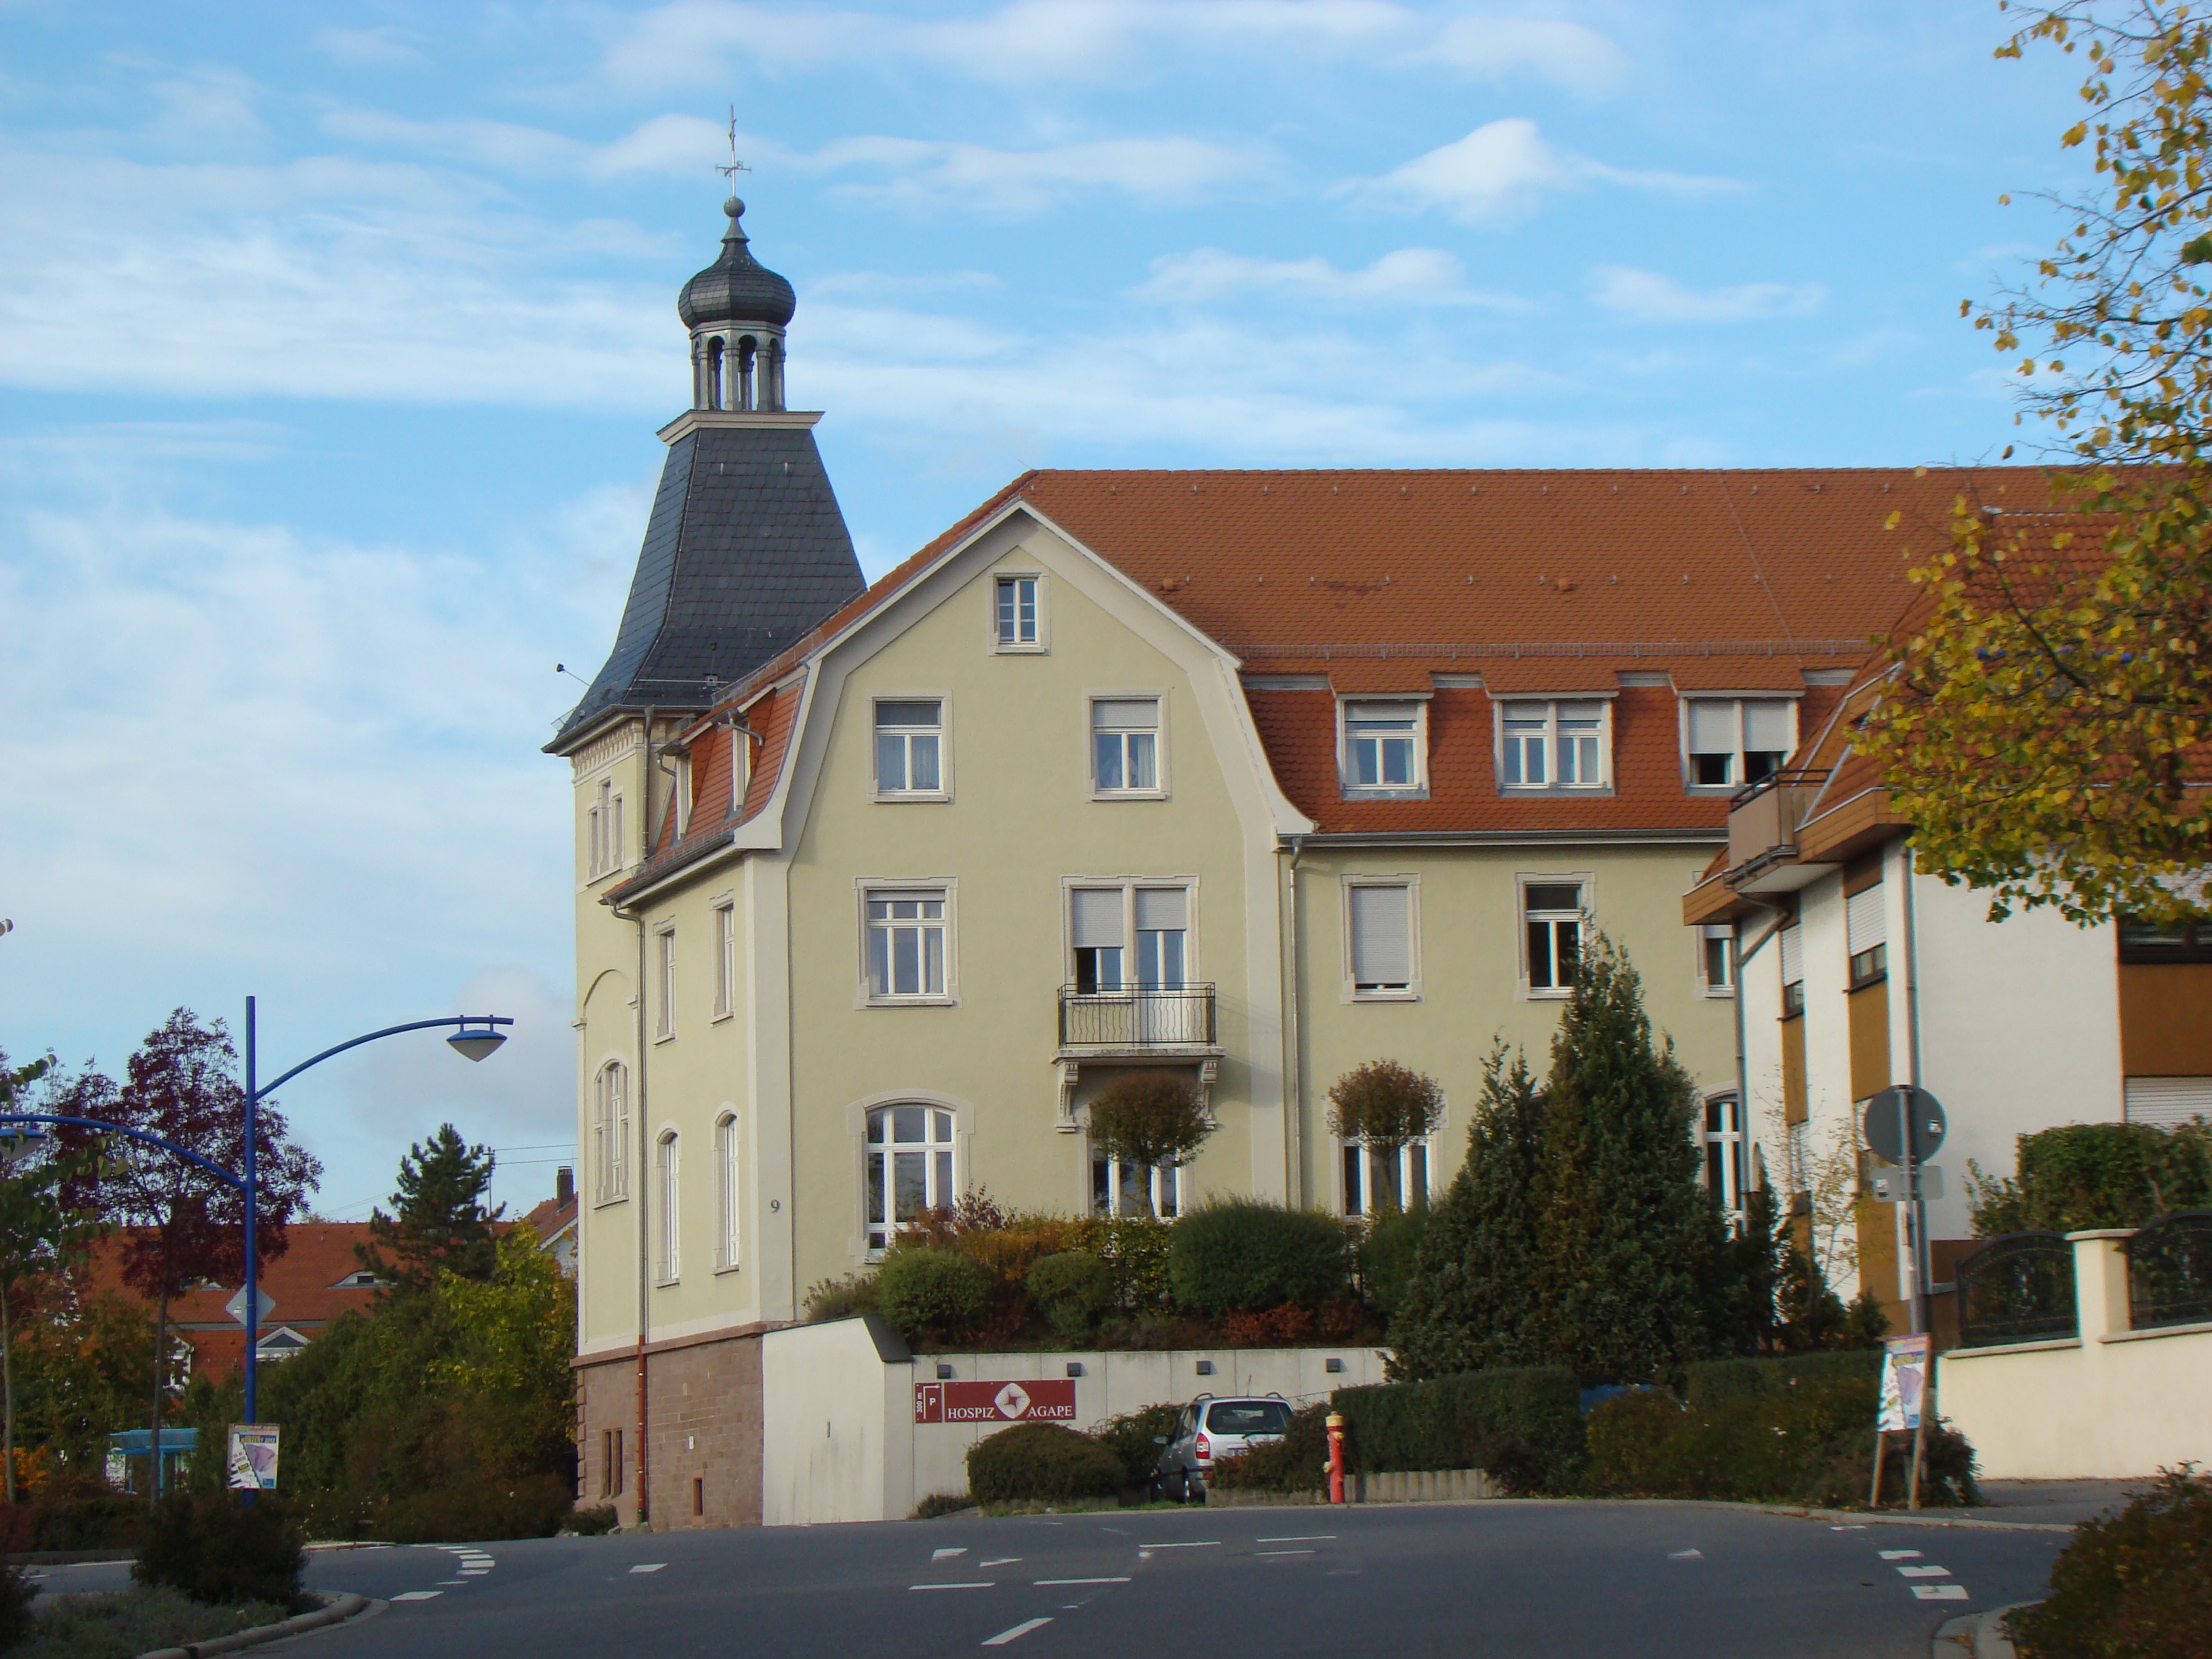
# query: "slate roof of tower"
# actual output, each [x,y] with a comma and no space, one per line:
[745,551]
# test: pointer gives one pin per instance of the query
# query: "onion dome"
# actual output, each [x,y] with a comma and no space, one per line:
[737,287]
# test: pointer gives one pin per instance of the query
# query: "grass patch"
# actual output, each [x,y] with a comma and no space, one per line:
[123,1624]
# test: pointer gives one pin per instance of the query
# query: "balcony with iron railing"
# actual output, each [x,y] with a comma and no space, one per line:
[1764,819]
[1136,1019]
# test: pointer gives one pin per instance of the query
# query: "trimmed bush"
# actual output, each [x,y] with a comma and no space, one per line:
[216,1549]
[2137,1584]
[1386,1257]
[104,1521]
[1075,1289]
[840,1298]
[534,1506]
[593,1521]
[1041,1461]
[1715,1382]
[1297,1462]
[1525,1421]
[933,1289]
[1239,1254]
[1129,1437]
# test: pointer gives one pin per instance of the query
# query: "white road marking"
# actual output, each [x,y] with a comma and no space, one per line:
[1022,1629]
[1081,1580]
[1939,1592]
[999,1561]
[1203,1544]
[1285,1551]
[1854,1529]
[1686,1555]
[985,1586]
[416,1595]
[1303,1538]
[478,1572]
[940,1555]
[1899,1555]
[450,1583]
[1925,1572]
[649,1566]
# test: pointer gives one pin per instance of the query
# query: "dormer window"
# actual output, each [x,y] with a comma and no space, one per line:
[1729,742]
[1554,745]
[1384,747]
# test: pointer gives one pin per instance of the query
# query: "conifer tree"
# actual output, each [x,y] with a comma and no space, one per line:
[439,1218]
[1632,1252]
[1471,1301]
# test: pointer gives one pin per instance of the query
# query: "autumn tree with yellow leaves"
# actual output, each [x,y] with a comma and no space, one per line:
[2045,730]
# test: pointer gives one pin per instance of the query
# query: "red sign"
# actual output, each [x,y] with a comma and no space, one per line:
[996,1402]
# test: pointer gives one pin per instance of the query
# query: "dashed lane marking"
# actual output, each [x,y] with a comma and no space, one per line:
[1303,1538]
[1939,1592]
[648,1566]
[922,1587]
[999,1561]
[1925,1572]
[1081,1580]
[1020,1630]
[1899,1555]
[418,1596]
[945,1555]
[1200,1544]
[1686,1555]
[1285,1551]
[449,1582]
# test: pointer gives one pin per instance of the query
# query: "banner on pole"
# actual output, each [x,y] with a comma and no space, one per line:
[253,1457]
[1904,1383]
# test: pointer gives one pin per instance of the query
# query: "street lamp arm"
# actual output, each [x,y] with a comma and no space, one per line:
[214,1169]
[371,1036]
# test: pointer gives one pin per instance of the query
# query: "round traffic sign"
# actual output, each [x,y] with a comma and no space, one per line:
[1898,1111]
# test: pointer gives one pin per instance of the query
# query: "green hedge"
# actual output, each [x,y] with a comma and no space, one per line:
[2137,1583]
[1473,1420]
[1234,1255]
[216,1550]
[1129,1437]
[1033,1460]
[526,1506]
[1714,1381]
[1297,1462]
[933,1290]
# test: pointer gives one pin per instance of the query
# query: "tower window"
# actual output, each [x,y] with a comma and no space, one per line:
[747,349]
[714,372]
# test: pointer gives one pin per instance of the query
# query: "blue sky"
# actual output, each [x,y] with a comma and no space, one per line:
[333,338]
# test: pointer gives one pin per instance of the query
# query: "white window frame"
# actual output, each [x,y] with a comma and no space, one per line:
[603,848]
[1710,934]
[684,793]
[726,956]
[944,887]
[939,1187]
[1128,886]
[1689,783]
[944,790]
[668,1190]
[1170,1193]
[664,962]
[1018,648]
[1412,991]
[1348,784]
[1158,699]
[1523,881]
[611,1131]
[1551,785]
[1417,1175]
[729,1193]
[1733,1147]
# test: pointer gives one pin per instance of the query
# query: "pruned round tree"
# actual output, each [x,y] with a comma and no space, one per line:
[1148,1119]
[1385,1107]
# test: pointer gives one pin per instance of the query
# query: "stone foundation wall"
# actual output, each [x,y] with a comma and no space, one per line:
[703,1433]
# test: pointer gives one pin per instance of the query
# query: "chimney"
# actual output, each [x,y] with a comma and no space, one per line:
[564,1187]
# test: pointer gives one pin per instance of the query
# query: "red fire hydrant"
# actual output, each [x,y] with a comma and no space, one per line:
[1336,1457]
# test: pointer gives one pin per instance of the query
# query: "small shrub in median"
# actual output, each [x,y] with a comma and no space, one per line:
[2133,1585]
[1240,1254]
[216,1549]
[934,1288]
[1041,1461]
[116,1624]
[16,1592]
[593,1521]
[1130,1437]
[1075,1289]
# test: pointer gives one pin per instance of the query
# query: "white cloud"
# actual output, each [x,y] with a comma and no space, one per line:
[367,49]
[1406,276]
[675,146]
[1502,171]
[692,42]
[927,174]
[1649,297]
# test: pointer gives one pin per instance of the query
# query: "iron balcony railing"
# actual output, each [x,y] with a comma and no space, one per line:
[2169,1271]
[1138,1016]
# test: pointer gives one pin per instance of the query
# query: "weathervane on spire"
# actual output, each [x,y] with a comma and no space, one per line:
[735,166]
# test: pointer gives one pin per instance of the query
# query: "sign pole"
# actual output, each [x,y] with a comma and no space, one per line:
[1880,1445]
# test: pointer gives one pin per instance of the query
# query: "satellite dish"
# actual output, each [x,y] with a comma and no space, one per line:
[1898,1111]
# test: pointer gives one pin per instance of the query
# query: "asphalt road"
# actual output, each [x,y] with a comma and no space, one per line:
[1500,1579]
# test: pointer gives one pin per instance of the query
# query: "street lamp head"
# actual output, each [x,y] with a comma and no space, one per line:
[476,1044]
[17,1139]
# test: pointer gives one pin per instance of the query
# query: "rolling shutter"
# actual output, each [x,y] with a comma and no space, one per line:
[2168,1101]
[1163,909]
[1712,727]
[1793,955]
[1864,920]
[1095,917]
[1382,936]
[1766,727]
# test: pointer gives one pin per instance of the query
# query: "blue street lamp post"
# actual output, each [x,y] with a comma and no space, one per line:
[476,1035]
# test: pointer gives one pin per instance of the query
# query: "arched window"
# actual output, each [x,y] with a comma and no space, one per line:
[1376,1178]
[747,350]
[714,372]
[910,1168]
[669,1230]
[611,1130]
[725,1190]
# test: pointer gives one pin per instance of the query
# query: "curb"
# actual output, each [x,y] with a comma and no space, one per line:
[1980,1635]
[339,1609]
[65,1558]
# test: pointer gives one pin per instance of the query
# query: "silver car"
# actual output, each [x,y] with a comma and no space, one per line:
[1209,1431]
